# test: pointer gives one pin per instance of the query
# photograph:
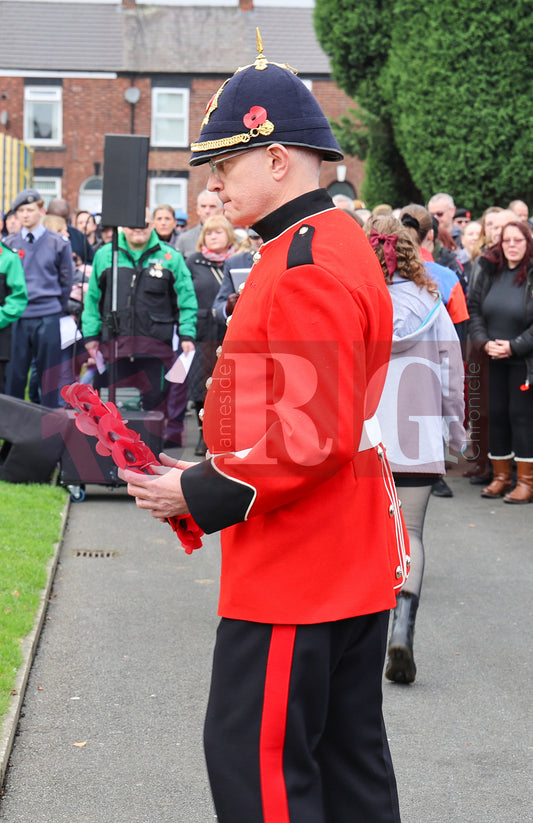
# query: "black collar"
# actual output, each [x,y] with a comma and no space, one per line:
[293,212]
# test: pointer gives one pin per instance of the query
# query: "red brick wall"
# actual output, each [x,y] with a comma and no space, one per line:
[92,108]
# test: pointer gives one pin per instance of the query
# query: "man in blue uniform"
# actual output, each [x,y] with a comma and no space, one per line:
[48,268]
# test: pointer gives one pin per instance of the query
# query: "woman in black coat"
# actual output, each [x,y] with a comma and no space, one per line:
[500,303]
[216,243]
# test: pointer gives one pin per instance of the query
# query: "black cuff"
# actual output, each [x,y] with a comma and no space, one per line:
[215,501]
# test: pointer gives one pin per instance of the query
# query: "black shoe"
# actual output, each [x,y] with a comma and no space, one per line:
[477,480]
[479,475]
[441,489]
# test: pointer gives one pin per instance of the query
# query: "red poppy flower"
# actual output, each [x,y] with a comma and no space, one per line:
[21,254]
[168,256]
[132,454]
[81,397]
[87,425]
[189,533]
[255,117]
[112,428]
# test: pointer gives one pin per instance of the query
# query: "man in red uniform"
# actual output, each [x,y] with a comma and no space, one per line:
[296,479]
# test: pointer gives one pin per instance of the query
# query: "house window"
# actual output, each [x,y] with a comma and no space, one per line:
[43,115]
[168,190]
[170,117]
[48,187]
[90,195]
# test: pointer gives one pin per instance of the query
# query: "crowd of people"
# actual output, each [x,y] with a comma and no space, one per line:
[332,361]
[54,268]
[481,267]
[461,290]
[484,277]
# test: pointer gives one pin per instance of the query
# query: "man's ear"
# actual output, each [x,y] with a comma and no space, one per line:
[429,240]
[278,157]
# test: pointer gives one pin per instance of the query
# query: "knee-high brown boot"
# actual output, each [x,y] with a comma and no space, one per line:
[523,491]
[501,481]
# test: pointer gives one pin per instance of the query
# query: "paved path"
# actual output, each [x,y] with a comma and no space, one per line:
[112,723]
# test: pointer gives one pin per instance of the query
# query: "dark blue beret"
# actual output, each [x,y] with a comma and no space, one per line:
[263,104]
[25,197]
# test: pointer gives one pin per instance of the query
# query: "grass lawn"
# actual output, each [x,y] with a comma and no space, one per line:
[30,524]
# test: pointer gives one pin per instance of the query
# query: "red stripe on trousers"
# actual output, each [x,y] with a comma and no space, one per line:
[273,725]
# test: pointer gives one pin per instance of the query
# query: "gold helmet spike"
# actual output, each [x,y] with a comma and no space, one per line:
[260,61]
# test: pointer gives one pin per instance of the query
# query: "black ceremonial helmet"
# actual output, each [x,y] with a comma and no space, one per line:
[262,104]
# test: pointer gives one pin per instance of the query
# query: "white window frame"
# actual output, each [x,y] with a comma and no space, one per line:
[156,91]
[90,197]
[48,194]
[47,94]
[180,183]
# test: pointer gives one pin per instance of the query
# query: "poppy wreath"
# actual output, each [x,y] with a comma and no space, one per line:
[102,420]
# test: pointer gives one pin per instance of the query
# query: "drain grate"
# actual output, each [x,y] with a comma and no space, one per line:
[95,553]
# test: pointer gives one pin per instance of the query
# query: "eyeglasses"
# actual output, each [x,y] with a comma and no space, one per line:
[217,166]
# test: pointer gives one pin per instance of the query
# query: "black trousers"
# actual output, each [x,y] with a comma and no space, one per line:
[510,410]
[35,341]
[294,730]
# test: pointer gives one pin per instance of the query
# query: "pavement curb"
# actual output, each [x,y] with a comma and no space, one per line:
[10,720]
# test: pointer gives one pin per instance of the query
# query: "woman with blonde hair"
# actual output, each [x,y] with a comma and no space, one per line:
[217,242]
[488,223]
[422,406]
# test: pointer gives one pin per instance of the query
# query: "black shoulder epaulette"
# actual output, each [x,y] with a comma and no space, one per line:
[300,252]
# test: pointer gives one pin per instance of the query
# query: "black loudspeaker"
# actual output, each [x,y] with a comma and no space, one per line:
[33,440]
[125,180]
[80,463]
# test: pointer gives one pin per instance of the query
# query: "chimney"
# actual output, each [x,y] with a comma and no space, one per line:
[246,5]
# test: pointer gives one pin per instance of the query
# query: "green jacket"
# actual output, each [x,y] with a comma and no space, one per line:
[154,293]
[13,296]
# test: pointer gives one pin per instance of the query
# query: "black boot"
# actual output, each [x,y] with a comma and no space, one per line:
[401,663]
[201,448]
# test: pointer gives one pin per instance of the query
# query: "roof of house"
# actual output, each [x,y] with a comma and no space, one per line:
[60,36]
[63,36]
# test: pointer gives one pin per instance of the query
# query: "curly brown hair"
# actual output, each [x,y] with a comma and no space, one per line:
[409,264]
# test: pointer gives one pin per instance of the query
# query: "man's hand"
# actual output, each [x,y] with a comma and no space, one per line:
[160,493]
[230,303]
[92,347]
[187,346]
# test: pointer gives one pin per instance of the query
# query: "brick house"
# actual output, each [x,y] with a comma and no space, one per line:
[72,71]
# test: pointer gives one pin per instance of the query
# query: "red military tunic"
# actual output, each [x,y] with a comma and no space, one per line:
[310,528]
